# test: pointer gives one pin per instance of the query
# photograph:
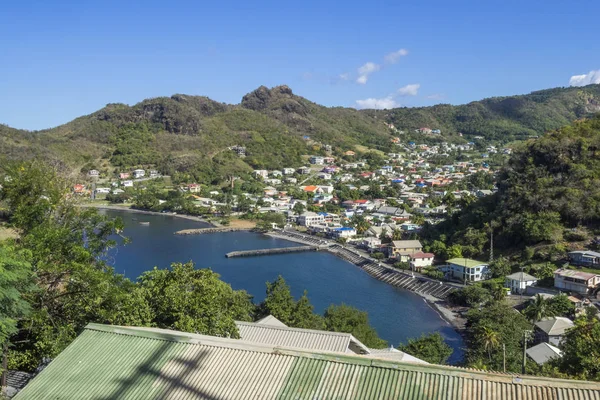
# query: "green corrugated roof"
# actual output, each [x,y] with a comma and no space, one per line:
[466,262]
[107,362]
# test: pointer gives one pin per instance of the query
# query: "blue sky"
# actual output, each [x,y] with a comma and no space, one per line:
[62,59]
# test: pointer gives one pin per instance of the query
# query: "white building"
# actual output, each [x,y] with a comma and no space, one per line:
[102,190]
[93,173]
[128,183]
[310,218]
[518,282]
[575,281]
[316,160]
[261,173]
[465,269]
[139,173]
[154,173]
[420,260]
[343,232]
[288,171]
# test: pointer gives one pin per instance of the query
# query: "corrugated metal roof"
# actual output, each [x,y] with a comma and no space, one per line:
[554,326]
[543,352]
[270,320]
[107,362]
[307,339]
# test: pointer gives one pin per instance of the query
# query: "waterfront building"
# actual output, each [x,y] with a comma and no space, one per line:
[465,269]
[310,218]
[403,249]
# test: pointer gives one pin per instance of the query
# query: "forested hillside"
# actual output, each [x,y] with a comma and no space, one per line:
[188,136]
[503,118]
[548,194]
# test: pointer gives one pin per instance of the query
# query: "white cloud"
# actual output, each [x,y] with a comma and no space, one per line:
[345,76]
[409,90]
[586,79]
[365,71]
[393,57]
[378,104]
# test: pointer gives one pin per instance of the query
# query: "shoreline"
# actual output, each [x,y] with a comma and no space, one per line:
[439,306]
[136,211]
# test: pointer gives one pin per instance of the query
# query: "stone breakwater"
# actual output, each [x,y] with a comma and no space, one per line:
[201,231]
[264,252]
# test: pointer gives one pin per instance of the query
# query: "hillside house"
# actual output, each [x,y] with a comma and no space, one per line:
[304,170]
[139,173]
[124,175]
[194,188]
[519,281]
[585,258]
[316,160]
[93,173]
[154,173]
[127,183]
[261,173]
[551,330]
[543,352]
[575,281]
[288,171]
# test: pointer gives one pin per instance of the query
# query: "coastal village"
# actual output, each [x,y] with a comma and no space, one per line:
[370,212]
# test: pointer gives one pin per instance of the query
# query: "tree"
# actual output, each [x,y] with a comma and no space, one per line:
[378,255]
[489,338]
[344,318]
[500,267]
[303,315]
[299,208]
[561,306]
[279,301]
[538,308]
[581,350]
[16,279]
[454,251]
[508,325]
[470,296]
[430,348]
[194,300]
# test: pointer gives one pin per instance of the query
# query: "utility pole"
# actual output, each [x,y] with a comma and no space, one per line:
[525,338]
[503,357]
[491,242]
[521,285]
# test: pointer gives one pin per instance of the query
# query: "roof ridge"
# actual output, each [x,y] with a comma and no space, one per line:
[289,328]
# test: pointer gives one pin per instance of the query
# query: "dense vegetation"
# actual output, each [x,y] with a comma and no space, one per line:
[548,195]
[503,119]
[188,137]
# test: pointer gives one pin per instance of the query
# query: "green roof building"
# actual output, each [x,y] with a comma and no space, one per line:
[465,269]
[111,362]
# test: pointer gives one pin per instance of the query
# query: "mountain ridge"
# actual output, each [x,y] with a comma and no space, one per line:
[188,134]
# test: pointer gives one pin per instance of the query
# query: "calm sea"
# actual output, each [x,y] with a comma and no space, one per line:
[396,314]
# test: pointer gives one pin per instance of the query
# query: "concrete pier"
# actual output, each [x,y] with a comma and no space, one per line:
[264,252]
[210,230]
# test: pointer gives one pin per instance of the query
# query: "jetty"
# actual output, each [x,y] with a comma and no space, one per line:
[201,231]
[264,252]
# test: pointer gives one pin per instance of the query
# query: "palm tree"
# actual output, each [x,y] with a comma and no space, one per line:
[538,309]
[490,340]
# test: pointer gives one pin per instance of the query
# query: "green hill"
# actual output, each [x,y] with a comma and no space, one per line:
[188,136]
[548,198]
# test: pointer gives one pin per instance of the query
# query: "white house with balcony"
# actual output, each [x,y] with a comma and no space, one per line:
[467,270]
[310,218]
[519,281]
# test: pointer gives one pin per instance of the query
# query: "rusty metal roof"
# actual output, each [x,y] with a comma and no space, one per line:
[109,362]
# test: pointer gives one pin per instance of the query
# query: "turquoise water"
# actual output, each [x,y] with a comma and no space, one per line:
[396,314]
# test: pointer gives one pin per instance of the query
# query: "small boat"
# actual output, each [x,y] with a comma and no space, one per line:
[144,223]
